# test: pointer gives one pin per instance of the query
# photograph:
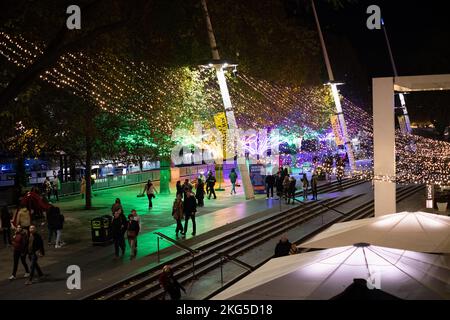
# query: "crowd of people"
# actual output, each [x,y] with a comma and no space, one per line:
[286,186]
[20,230]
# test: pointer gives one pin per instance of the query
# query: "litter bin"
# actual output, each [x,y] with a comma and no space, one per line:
[101,230]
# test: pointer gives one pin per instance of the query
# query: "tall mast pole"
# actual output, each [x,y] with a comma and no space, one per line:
[404,122]
[335,93]
[232,124]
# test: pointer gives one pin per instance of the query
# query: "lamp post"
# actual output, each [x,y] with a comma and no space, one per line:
[219,66]
[404,122]
[333,86]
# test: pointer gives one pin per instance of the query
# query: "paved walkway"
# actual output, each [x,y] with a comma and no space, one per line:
[94,260]
[97,265]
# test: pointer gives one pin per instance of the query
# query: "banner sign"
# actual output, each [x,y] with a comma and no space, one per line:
[220,120]
[429,194]
[257,177]
[336,130]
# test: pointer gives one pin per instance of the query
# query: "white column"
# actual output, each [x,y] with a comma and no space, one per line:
[232,125]
[384,145]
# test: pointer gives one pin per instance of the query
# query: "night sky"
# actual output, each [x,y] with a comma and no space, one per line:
[420,40]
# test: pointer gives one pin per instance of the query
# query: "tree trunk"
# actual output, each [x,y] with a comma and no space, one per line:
[164,176]
[73,169]
[141,165]
[66,173]
[88,172]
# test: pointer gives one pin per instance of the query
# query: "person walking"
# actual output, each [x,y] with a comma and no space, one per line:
[314,186]
[52,222]
[118,229]
[132,233]
[117,206]
[136,218]
[6,225]
[48,188]
[56,187]
[200,193]
[169,284]
[210,182]
[20,241]
[150,190]
[305,187]
[186,187]
[178,214]
[189,208]
[292,188]
[286,183]
[83,187]
[179,188]
[279,185]
[35,249]
[23,218]
[270,182]
[233,179]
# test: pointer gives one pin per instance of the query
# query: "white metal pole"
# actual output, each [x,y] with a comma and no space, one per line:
[232,124]
[335,93]
[405,125]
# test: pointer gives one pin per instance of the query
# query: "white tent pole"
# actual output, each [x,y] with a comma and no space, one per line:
[334,91]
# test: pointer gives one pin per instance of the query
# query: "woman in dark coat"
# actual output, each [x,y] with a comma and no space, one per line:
[119,226]
[170,285]
[200,192]
[178,213]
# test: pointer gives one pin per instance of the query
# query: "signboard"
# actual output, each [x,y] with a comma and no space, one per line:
[257,177]
[220,119]
[429,195]
[336,130]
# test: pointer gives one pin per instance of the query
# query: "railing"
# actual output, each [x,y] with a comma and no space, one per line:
[192,252]
[236,261]
[73,187]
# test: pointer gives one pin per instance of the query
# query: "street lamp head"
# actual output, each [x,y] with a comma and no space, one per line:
[224,64]
[336,83]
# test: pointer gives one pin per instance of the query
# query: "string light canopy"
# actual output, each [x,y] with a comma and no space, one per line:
[170,98]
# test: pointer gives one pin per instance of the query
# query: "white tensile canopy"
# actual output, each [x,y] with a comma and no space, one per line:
[415,231]
[324,274]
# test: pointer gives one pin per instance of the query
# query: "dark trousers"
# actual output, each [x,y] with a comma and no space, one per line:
[119,242]
[314,193]
[179,226]
[186,221]
[305,194]
[18,255]
[150,196]
[55,193]
[200,202]
[211,192]
[233,187]
[51,231]
[291,195]
[269,188]
[34,266]
[7,235]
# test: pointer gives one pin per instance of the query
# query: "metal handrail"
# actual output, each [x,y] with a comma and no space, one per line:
[178,244]
[236,261]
